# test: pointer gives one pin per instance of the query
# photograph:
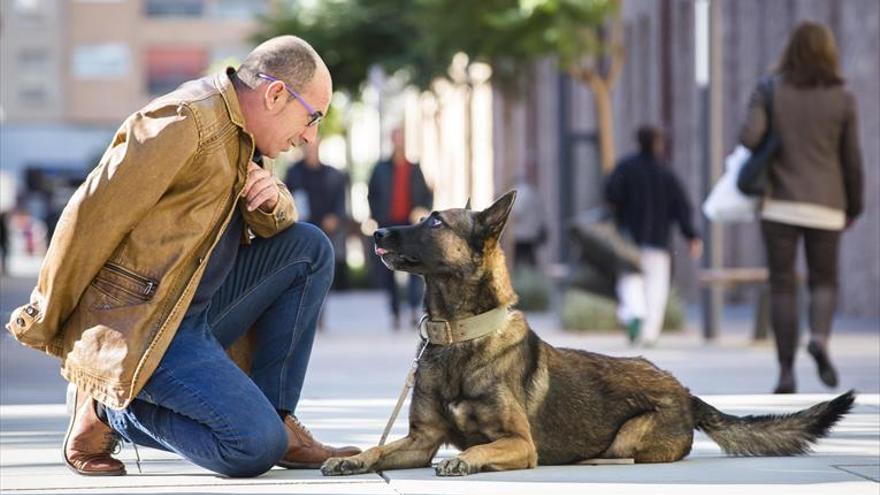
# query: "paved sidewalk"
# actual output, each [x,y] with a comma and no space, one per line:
[356,372]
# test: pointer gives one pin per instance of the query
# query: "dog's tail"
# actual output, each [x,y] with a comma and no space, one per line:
[771,434]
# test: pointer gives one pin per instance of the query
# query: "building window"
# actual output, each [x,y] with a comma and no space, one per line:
[167,68]
[29,7]
[31,11]
[33,58]
[101,61]
[244,10]
[33,95]
[174,8]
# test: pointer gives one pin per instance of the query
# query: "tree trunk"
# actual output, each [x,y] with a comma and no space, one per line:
[605,122]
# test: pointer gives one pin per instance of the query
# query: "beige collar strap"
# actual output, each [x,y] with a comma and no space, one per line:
[446,332]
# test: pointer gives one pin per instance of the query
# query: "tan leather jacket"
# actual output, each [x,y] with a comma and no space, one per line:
[132,243]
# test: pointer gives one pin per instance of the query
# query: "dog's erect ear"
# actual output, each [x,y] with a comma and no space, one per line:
[467,206]
[491,221]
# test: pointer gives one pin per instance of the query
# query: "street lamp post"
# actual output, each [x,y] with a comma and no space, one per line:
[709,76]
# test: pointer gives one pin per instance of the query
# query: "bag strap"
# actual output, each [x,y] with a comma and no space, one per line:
[766,89]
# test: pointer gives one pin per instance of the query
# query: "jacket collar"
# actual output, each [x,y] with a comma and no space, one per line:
[223,83]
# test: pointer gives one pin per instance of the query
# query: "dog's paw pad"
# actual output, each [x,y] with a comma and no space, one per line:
[454,467]
[336,466]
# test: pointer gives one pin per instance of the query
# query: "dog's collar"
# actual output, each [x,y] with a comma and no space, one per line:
[446,332]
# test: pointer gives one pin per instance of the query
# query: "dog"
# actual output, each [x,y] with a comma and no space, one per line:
[488,385]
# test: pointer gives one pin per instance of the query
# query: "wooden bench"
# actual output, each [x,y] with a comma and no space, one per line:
[731,277]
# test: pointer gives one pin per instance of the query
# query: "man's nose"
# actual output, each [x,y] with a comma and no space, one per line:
[379,234]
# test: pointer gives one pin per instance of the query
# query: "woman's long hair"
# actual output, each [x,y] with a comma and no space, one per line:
[810,57]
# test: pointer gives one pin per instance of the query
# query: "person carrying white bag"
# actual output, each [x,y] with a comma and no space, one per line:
[726,203]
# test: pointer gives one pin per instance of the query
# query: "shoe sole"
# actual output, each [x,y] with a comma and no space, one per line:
[70,400]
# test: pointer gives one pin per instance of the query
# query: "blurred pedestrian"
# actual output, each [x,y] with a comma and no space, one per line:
[4,243]
[815,188]
[529,224]
[178,243]
[399,195]
[647,199]
[320,193]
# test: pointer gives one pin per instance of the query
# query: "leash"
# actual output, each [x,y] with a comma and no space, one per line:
[407,385]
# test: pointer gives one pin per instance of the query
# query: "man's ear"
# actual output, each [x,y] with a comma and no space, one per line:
[275,96]
[491,221]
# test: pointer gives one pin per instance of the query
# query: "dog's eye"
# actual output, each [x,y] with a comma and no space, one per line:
[435,222]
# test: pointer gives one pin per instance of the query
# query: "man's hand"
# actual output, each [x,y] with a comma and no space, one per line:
[695,246]
[260,190]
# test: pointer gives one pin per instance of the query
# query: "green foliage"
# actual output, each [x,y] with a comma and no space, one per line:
[673,320]
[421,36]
[586,311]
[332,123]
[533,289]
[351,36]
[359,277]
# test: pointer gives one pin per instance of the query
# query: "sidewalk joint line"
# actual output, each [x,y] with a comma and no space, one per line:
[860,475]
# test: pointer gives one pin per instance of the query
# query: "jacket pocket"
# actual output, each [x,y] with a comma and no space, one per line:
[117,287]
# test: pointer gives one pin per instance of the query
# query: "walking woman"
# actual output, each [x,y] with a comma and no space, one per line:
[814,191]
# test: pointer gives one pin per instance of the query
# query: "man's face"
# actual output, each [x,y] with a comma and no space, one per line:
[286,119]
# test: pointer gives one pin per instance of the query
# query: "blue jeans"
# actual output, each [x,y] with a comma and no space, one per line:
[198,403]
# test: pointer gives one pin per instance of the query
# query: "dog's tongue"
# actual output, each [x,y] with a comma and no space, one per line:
[380,251]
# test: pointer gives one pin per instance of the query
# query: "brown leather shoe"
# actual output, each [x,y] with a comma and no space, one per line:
[89,442]
[304,452]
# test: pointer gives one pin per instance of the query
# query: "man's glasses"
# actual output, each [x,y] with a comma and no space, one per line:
[315,116]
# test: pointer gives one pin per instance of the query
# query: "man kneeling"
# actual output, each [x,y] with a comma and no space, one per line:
[175,246]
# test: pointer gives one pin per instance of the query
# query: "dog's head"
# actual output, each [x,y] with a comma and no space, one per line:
[452,242]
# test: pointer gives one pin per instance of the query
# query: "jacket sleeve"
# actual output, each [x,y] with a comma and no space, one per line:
[614,188]
[754,128]
[681,208]
[373,195]
[267,224]
[851,161]
[146,154]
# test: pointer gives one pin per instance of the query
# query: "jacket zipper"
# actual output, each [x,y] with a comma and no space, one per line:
[149,284]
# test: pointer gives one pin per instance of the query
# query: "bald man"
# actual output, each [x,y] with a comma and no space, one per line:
[179,242]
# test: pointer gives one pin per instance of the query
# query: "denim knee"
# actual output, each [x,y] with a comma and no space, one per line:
[262,448]
[320,246]
[312,242]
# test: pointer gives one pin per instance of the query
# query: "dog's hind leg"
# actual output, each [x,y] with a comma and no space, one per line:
[664,435]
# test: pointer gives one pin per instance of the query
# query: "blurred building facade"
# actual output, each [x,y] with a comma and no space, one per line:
[553,126]
[73,70]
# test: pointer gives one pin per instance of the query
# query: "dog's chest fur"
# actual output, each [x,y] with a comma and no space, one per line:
[469,385]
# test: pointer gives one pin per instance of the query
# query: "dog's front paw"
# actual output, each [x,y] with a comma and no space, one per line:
[336,466]
[455,467]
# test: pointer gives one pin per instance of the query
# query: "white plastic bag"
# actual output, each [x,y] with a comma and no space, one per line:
[725,202]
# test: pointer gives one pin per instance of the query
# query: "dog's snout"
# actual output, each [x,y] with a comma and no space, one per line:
[379,234]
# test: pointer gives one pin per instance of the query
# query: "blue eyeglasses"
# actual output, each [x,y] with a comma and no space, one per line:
[315,116]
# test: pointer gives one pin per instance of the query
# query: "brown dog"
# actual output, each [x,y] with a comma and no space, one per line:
[491,387]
